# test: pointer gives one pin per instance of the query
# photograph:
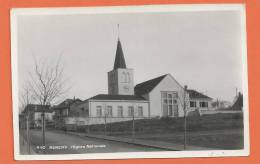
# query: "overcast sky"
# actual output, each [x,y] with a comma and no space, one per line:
[199,49]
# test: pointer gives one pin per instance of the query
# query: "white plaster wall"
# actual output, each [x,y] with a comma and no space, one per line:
[37,116]
[95,120]
[115,104]
[167,84]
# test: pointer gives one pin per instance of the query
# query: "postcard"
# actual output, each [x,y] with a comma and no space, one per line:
[154,81]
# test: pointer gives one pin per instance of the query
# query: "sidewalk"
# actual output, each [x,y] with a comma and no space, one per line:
[142,142]
[24,149]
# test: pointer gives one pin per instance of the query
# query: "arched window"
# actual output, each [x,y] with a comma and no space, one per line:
[128,77]
[124,77]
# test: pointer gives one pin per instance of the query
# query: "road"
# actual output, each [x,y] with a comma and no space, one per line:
[61,143]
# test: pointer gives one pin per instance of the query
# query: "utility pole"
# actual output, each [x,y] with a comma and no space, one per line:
[185,118]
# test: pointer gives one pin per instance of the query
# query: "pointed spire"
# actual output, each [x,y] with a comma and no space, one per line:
[119,60]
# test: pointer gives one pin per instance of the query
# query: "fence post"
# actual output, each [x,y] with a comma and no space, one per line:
[43,128]
[28,133]
[133,127]
[105,125]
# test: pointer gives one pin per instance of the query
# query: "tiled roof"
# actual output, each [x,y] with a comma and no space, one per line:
[147,86]
[194,94]
[119,60]
[66,103]
[116,97]
[38,108]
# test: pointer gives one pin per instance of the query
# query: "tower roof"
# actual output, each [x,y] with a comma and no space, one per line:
[119,60]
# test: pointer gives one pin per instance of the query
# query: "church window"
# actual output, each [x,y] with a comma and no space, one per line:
[124,76]
[109,111]
[99,111]
[169,103]
[120,111]
[140,111]
[130,111]
[128,77]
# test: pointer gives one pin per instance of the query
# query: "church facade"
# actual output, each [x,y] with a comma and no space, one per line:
[162,96]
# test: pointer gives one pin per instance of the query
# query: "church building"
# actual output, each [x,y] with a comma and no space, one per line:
[162,96]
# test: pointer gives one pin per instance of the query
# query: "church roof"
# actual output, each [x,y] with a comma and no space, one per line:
[195,94]
[147,86]
[116,97]
[119,60]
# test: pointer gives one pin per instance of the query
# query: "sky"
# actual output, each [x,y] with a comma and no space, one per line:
[199,49]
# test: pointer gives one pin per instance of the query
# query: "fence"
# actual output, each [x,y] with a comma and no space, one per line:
[144,126]
[167,129]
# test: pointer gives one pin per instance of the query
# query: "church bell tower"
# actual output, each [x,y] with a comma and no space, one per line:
[120,79]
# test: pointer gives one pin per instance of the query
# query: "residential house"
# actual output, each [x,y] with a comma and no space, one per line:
[63,110]
[35,111]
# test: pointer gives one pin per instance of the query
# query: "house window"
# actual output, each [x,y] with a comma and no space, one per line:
[65,112]
[193,104]
[169,104]
[120,111]
[109,111]
[203,104]
[130,111]
[99,111]
[140,111]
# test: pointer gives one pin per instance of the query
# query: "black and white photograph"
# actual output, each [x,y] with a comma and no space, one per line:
[155,81]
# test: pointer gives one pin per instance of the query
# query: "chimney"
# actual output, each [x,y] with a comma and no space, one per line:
[185,87]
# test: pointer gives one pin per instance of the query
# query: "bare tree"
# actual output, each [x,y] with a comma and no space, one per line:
[184,99]
[47,83]
[25,98]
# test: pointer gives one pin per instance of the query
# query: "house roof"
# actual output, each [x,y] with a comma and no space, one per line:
[197,95]
[147,86]
[116,97]
[119,60]
[38,108]
[66,103]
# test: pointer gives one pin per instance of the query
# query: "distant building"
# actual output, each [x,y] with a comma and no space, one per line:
[199,100]
[34,111]
[220,104]
[63,110]
[238,102]
[159,97]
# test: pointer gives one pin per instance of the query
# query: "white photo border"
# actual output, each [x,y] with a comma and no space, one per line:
[15,12]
